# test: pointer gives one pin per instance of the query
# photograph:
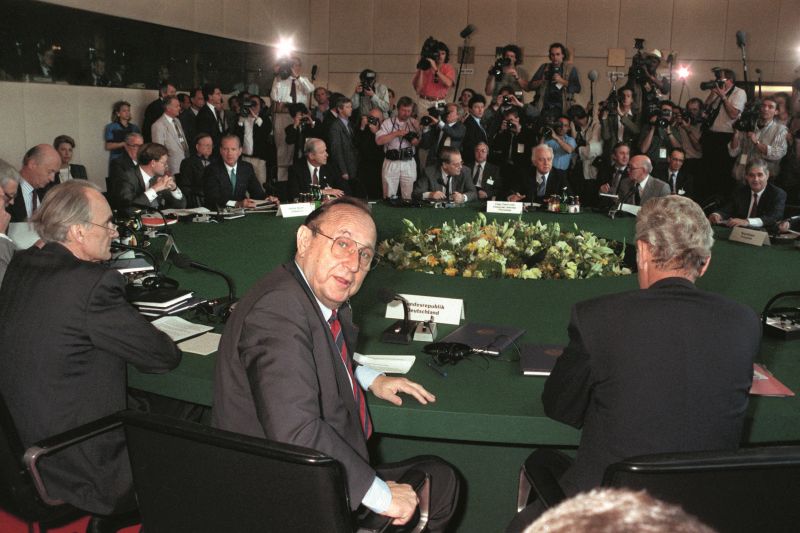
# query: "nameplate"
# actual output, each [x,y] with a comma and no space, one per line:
[504,208]
[295,210]
[630,208]
[422,308]
[749,236]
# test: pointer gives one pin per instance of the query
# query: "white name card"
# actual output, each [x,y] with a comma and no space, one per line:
[295,210]
[630,208]
[422,308]
[505,208]
[749,236]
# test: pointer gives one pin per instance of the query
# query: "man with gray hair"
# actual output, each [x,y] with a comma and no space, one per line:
[73,371]
[663,369]
[39,168]
[641,186]
[544,180]
[757,203]
[9,185]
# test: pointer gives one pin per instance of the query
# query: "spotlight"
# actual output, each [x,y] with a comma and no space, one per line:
[683,73]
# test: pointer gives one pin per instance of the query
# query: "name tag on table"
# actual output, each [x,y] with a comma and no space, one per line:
[295,210]
[749,236]
[506,208]
[422,308]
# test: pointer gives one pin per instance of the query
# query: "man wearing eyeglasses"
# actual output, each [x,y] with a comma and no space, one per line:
[150,183]
[641,186]
[285,370]
[68,335]
[9,185]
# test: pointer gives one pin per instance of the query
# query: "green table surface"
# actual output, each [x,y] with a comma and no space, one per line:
[487,417]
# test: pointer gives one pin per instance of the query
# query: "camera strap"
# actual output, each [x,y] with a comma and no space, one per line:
[712,116]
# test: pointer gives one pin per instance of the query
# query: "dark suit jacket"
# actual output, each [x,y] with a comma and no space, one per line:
[430,140]
[74,370]
[490,180]
[770,205]
[605,174]
[279,376]
[300,179]
[206,122]
[685,182]
[188,123]
[473,134]
[18,211]
[666,369]
[120,166]
[131,191]
[296,137]
[343,151]
[190,180]
[262,137]
[219,191]
[556,181]
[152,113]
[430,181]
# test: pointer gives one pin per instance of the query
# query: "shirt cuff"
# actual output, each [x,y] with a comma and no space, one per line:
[177,194]
[755,222]
[258,121]
[366,375]
[6,237]
[151,195]
[378,497]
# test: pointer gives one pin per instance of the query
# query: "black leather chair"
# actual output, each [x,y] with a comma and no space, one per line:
[193,478]
[22,491]
[751,489]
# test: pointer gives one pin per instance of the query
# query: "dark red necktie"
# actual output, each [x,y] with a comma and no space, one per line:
[338,338]
[293,91]
[754,207]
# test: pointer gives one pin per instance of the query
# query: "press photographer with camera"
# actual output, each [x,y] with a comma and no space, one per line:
[658,137]
[510,149]
[724,103]
[463,102]
[493,114]
[254,130]
[288,87]
[556,135]
[441,128]
[556,83]
[688,129]
[644,80]
[588,146]
[399,137]
[434,75]
[370,158]
[506,72]
[301,128]
[369,94]
[762,139]
[618,122]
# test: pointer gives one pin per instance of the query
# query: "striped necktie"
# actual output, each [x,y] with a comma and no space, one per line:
[358,395]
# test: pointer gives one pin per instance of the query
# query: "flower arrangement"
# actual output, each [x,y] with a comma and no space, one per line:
[513,249]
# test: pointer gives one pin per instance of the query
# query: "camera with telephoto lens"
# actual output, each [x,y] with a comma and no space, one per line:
[499,65]
[285,68]
[717,82]
[664,118]
[749,118]
[546,132]
[247,105]
[553,70]
[373,121]
[430,50]
[611,103]
[367,79]
[435,113]
[410,136]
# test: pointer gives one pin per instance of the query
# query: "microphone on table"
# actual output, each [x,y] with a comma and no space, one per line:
[221,306]
[401,331]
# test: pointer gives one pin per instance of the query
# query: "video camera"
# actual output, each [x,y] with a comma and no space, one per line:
[497,69]
[717,82]
[435,113]
[749,118]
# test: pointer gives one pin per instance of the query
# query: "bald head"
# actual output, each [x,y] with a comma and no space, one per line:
[40,165]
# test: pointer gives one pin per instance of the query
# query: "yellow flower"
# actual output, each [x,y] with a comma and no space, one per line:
[450,271]
[467,273]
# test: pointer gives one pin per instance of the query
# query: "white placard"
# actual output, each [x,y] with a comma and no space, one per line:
[295,210]
[749,236]
[505,208]
[630,208]
[422,308]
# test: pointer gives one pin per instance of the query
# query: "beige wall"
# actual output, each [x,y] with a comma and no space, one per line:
[345,36]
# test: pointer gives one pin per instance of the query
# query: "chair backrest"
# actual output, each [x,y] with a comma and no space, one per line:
[753,489]
[193,478]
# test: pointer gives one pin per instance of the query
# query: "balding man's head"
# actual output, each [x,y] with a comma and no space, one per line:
[40,165]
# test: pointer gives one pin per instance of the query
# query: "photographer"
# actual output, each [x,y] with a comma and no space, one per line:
[300,129]
[434,75]
[441,128]
[658,137]
[560,140]
[493,115]
[370,94]
[688,129]
[619,123]
[510,149]
[583,177]
[556,83]
[463,102]
[644,81]
[254,130]
[371,155]
[505,72]
[288,87]
[399,137]
[724,104]
[766,141]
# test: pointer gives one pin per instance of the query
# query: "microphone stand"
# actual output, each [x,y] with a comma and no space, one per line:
[747,86]
[461,58]
[612,214]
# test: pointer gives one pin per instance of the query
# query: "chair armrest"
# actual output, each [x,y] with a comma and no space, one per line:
[61,441]
[541,472]
[420,482]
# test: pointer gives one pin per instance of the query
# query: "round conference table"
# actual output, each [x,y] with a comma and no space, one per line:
[487,416]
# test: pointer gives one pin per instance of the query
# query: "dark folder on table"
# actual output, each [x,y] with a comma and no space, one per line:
[485,338]
[539,359]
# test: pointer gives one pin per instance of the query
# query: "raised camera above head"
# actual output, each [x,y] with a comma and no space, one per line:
[285,68]
[367,78]
[430,50]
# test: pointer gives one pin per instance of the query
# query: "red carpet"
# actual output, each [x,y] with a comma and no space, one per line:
[10,524]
